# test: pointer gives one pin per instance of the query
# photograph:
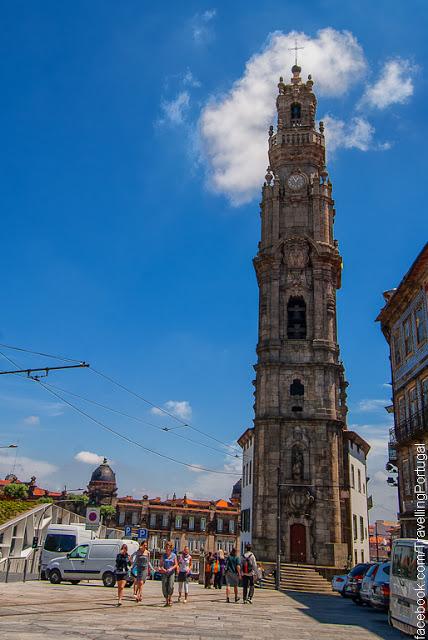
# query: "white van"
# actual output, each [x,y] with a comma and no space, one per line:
[60,540]
[93,560]
[408,574]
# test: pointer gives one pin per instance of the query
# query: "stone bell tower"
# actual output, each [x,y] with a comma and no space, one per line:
[300,390]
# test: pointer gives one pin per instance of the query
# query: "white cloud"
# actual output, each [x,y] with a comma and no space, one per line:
[188,79]
[179,408]
[88,457]
[32,420]
[201,29]
[174,110]
[372,404]
[26,467]
[233,127]
[395,85]
[358,134]
[215,486]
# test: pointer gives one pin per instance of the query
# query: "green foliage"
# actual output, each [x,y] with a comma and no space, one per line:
[45,499]
[16,490]
[107,511]
[80,498]
[11,508]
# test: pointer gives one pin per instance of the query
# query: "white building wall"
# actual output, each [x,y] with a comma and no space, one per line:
[247,489]
[359,511]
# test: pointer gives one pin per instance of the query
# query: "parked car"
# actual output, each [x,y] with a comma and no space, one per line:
[94,560]
[380,588]
[367,583]
[409,558]
[354,580]
[60,540]
[338,583]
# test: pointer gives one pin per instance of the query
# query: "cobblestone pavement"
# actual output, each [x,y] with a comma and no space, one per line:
[41,611]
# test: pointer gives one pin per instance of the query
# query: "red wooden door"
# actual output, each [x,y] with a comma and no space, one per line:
[298,543]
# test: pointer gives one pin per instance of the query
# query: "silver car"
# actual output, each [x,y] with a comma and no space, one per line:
[367,583]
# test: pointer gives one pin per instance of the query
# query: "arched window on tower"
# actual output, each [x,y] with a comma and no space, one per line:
[295,111]
[296,318]
[297,388]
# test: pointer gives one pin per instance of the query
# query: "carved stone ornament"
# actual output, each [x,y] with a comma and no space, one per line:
[299,501]
[296,253]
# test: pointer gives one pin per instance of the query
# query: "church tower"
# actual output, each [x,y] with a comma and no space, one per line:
[300,389]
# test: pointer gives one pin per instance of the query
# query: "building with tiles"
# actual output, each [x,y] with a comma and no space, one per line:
[404,322]
[246,442]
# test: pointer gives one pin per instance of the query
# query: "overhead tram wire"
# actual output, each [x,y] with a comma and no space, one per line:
[183,423]
[131,440]
[168,413]
[39,353]
[138,419]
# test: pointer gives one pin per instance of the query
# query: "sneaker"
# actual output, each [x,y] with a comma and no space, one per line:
[249,601]
[227,599]
[238,599]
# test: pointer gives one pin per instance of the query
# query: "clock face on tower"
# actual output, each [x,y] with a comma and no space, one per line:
[296,181]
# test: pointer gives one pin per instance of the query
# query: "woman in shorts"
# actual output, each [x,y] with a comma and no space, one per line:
[233,573]
[184,569]
[140,570]
[123,562]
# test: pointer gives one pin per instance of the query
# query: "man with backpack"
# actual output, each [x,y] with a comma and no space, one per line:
[249,571]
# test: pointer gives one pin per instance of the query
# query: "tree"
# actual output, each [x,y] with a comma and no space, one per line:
[45,500]
[16,490]
[107,512]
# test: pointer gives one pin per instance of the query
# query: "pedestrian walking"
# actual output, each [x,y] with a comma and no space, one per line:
[232,573]
[140,569]
[249,572]
[208,569]
[123,562]
[168,567]
[219,573]
[216,571]
[184,570]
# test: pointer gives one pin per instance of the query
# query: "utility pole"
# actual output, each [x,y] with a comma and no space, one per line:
[278,532]
[377,543]
[46,370]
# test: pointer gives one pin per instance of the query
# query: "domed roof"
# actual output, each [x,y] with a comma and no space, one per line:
[104,473]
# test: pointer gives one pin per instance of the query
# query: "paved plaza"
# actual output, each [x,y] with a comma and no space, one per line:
[41,611]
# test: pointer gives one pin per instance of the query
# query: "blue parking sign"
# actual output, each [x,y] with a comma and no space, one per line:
[143,534]
[127,531]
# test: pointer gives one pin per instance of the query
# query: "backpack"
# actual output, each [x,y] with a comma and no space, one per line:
[246,564]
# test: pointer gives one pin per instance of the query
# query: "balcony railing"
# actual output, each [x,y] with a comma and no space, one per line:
[413,426]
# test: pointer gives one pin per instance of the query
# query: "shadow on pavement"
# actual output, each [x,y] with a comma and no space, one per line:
[329,610]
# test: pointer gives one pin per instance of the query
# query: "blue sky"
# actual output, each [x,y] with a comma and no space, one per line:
[130,216]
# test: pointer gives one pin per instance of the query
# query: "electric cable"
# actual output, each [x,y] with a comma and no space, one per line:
[138,419]
[131,440]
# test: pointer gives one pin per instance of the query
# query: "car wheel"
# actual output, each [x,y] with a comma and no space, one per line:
[109,579]
[55,576]
[74,581]
[342,593]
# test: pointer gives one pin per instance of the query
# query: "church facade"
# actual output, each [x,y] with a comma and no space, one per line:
[301,496]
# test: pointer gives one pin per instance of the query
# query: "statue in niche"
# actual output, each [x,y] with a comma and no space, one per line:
[297,463]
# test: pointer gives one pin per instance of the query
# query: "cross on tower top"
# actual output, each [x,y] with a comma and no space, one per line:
[295,49]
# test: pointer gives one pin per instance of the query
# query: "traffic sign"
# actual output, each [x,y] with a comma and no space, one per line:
[92,517]
[127,531]
[142,534]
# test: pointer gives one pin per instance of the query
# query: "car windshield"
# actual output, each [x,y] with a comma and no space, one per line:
[372,571]
[358,570]
[59,542]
